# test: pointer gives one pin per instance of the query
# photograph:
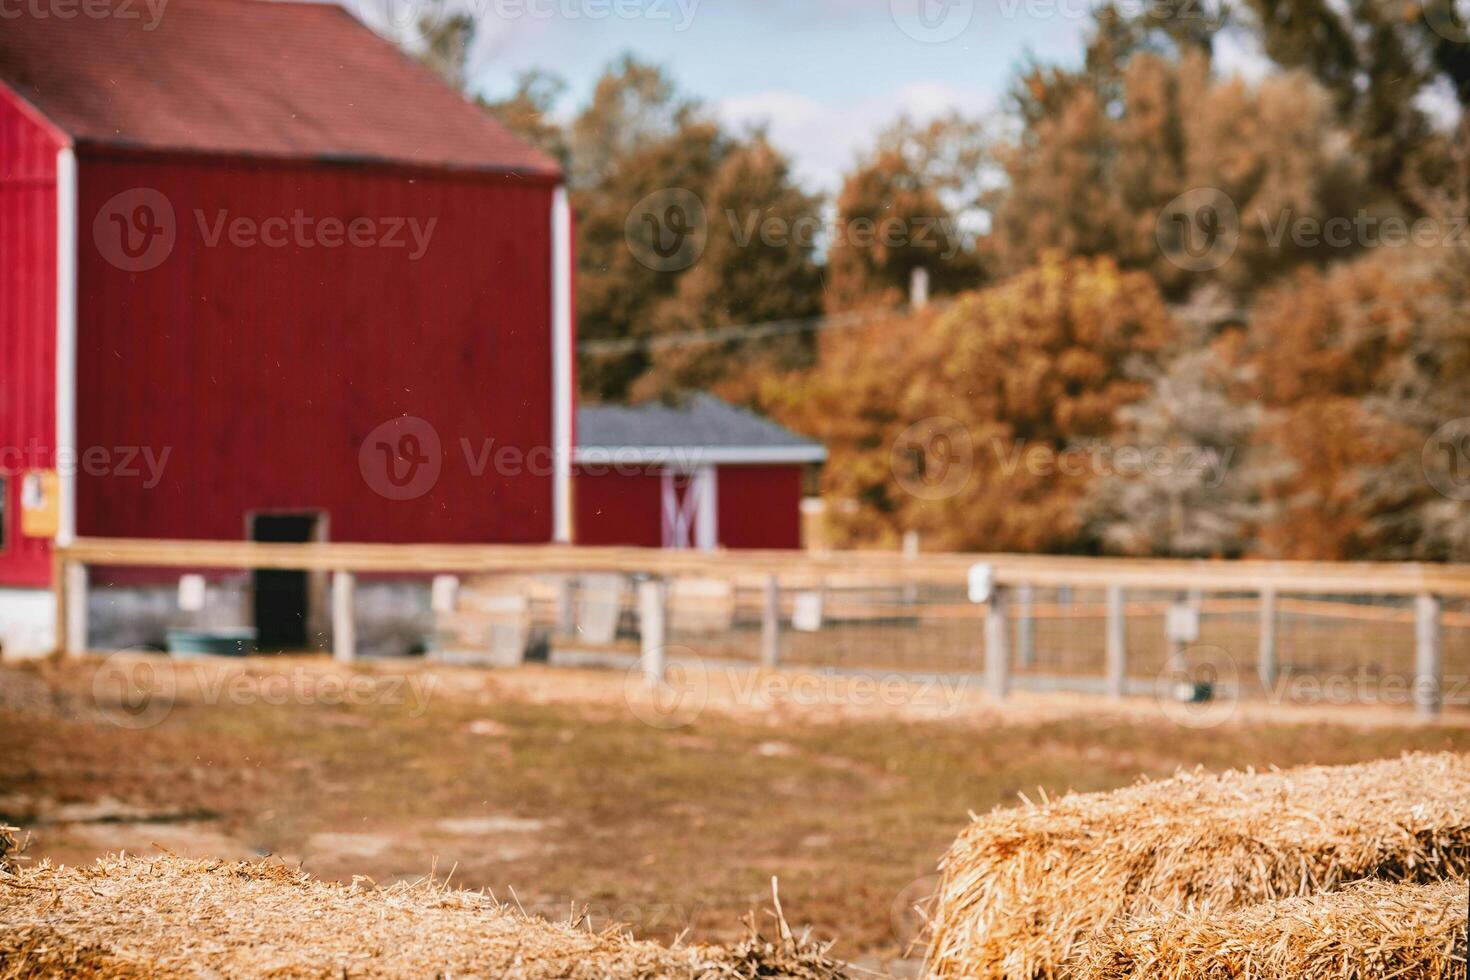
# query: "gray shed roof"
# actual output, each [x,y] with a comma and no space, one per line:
[702,428]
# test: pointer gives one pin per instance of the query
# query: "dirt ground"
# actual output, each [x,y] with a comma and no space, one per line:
[667,810]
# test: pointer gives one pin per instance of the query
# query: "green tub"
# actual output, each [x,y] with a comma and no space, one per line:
[215,643]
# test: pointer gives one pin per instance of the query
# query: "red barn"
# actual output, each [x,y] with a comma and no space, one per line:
[700,474]
[262,275]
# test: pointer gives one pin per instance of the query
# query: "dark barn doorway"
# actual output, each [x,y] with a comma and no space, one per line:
[281,599]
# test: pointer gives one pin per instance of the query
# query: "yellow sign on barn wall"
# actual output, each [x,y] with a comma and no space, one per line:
[40,504]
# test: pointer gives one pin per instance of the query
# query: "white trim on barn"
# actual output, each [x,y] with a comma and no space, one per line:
[690,458]
[561,366]
[66,340]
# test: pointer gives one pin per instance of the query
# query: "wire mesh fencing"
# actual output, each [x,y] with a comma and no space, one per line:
[1298,633]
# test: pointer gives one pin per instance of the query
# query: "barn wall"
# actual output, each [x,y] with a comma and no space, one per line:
[760,506]
[251,376]
[618,508]
[27,325]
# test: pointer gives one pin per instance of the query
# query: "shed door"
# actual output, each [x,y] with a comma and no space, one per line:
[690,509]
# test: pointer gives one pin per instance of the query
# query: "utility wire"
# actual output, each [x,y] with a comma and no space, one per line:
[815,324]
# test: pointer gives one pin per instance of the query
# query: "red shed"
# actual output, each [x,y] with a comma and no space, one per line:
[697,474]
[261,274]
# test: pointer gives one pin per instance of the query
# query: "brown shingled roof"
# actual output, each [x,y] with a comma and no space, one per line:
[249,77]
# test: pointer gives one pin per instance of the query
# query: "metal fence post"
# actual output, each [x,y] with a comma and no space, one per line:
[1428,668]
[771,623]
[652,618]
[1266,657]
[997,651]
[1117,643]
[1025,626]
[566,606]
[344,622]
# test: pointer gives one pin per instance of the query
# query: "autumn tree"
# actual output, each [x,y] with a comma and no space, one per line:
[1094,176]
[758,265]
[634,103]
[640,149]
[905,206]
[1357,368]
[951,422]
[1202,498]
[618,290]
[527,112]
[1381,62]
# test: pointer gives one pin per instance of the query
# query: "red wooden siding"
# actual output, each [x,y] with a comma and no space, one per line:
[27,325]
[760,506]
[261,370]
[618,508]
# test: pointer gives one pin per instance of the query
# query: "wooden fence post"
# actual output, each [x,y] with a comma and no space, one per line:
[73,608]
[344,622]
[566,606]
[652,619]
[997,651]
[1266,657]
[1428,668]
[1025,626]
[1117,643]
[771,623]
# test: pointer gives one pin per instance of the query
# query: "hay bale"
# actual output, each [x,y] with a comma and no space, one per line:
[9,847]
[1370,929]
[1021,887]
[126,917]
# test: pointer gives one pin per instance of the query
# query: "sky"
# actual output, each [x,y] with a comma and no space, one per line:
[824,75]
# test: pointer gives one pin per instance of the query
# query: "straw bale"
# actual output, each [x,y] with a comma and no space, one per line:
[126,917]
[1020,888]
[1369,929]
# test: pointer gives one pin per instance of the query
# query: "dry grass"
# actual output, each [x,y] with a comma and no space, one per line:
[1022,888]
[129,917]
[1370,929]
[545,781]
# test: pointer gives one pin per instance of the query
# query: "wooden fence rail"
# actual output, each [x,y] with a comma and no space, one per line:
[1013,578]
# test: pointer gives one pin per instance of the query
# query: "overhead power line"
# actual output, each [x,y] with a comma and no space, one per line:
[749,331]
[815,324]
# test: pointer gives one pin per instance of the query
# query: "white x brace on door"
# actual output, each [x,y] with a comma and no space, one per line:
[690,509]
